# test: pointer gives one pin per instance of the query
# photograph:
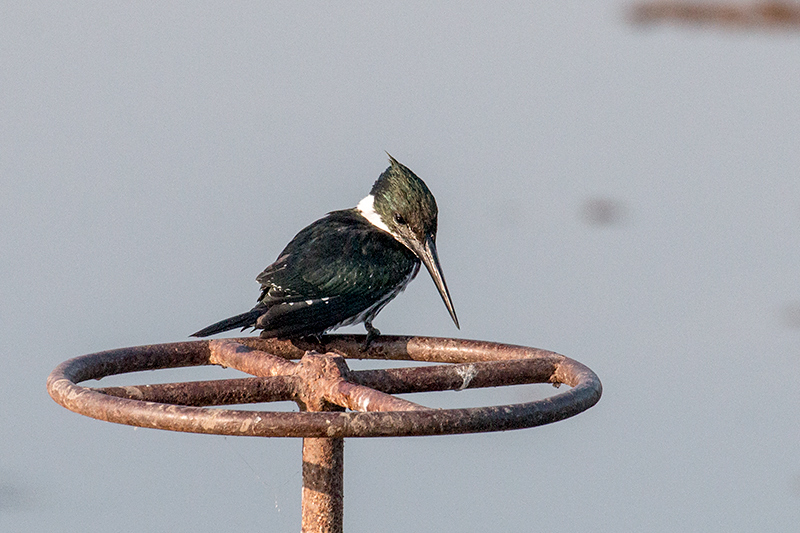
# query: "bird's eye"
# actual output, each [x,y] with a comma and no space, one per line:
[399,219]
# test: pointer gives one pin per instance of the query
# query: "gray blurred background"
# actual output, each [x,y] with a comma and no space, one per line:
[627,196]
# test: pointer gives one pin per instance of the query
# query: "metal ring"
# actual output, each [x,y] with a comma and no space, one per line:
[470,364]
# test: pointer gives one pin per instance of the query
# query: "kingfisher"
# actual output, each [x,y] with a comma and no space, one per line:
[345,267]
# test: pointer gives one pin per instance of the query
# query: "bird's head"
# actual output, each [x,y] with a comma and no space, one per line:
[402,205]
[405,204]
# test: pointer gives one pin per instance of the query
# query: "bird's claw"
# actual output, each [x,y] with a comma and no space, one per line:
[372,334]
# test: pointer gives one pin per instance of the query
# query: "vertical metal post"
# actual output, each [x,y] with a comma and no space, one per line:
[323,466]
[323,485]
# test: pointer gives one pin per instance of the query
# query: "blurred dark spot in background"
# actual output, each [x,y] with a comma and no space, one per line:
[604,212]
[790,315]
[12,497]
[767,14]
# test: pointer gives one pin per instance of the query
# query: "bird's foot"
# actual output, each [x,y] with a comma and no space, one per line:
[313,338]
[372,334]
[316,337]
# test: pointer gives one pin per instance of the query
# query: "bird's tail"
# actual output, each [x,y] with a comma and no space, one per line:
[245,320]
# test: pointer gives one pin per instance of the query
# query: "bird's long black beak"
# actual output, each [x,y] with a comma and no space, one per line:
[426,251]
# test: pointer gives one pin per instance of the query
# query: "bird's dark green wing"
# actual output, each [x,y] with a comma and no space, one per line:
[334,270]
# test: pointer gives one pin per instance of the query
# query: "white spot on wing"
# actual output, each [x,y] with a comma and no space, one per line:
[367,209]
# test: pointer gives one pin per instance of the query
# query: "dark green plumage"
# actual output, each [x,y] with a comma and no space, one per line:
[345,267]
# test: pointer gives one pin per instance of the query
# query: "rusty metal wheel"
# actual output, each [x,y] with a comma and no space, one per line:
[325,380]
[324,387]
